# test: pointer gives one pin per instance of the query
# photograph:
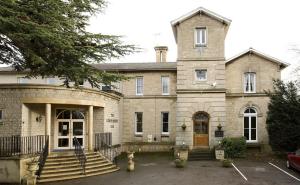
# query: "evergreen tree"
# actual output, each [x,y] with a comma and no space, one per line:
[49,38]
[283,119]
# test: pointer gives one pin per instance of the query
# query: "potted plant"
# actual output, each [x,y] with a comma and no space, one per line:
[219,127]
[226,163]
[180,163]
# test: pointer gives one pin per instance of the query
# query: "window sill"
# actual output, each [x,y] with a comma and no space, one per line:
[138,135]
[165,135]
[200,45]
[139,94]
[166,94]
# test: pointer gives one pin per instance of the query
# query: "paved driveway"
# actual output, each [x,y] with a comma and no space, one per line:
[160,170]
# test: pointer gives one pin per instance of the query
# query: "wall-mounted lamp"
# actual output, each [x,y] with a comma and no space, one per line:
[39,118]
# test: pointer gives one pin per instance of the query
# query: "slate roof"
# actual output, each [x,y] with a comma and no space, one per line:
[149,66]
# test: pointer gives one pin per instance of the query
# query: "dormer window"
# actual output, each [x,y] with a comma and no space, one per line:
[200,37]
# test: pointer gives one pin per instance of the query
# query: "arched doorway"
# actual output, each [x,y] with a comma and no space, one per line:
[69,123]
[250,124]
[201,129]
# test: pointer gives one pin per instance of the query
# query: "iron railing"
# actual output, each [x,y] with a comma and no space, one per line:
[22,145]
[79,152]
[43,157]
[103,144]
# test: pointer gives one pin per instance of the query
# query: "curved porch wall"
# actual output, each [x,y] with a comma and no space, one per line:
[19,118]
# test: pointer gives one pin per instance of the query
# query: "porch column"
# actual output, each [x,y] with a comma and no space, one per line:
[91,126]
[48,123]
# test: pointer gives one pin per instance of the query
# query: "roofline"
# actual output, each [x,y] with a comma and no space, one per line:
[263,55]
[192,13]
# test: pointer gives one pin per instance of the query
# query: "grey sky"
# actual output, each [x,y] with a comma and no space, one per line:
[270,26]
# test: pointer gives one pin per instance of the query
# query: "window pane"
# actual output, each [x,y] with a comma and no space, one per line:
[253,134]
[63,128]
[139,85]
[201,74]
[77,128]
[246,122]
[63,114]
[165,122]
[139,121]
[246,133]
[200,36]
[253,122]
[80,140]
[165,85]
[63,142]
[77,115]
[203,41]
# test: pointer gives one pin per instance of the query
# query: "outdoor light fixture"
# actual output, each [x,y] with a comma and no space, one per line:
[39,118]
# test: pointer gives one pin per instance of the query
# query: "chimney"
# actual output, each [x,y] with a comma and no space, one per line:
[161,53]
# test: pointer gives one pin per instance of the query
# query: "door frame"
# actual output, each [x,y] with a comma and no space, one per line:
[208,128]
[55,135]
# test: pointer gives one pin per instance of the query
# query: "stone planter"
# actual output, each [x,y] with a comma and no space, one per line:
[130,156]
[179,163]
[181,152]
[32,167]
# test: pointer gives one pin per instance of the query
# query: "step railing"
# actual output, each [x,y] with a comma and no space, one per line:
[43,157]
[79,152]
[103,145]
[13,146]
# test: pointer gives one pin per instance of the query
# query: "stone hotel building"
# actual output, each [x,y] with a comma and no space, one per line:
[163,105]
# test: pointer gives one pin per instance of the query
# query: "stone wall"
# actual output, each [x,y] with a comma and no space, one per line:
[265,71]
[152,83]
[186,76]
[152,123]
[235,107]
[216,33]
[190,103]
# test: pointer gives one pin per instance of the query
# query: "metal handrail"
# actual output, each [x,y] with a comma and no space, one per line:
[43,157]
[79,152]
[104,146]
[16,146]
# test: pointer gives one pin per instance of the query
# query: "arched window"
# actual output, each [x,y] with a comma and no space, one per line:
[250,124]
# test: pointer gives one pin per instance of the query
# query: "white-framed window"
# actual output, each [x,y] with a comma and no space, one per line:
[139,85]
[165,123]
[250,125]
[1,117]
[201,74]
[22,80]
[138,123]
[250,82]
[51,80]
[165,85]
[200,37]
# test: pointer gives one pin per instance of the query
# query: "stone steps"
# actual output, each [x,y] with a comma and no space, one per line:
[64,166]
[200,155]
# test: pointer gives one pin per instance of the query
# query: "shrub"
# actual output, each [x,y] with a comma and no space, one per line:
[234,147]
[283,119]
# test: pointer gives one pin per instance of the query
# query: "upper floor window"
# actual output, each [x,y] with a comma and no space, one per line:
[139,85]
[201,74]
[138,123]
[23,80]
[1,117]
[249,82]
[200,37]
[165,122]
[165,85]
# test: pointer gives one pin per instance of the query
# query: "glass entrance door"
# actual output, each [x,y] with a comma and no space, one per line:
[70,124]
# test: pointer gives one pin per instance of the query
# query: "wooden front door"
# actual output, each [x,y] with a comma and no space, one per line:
[201,129]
